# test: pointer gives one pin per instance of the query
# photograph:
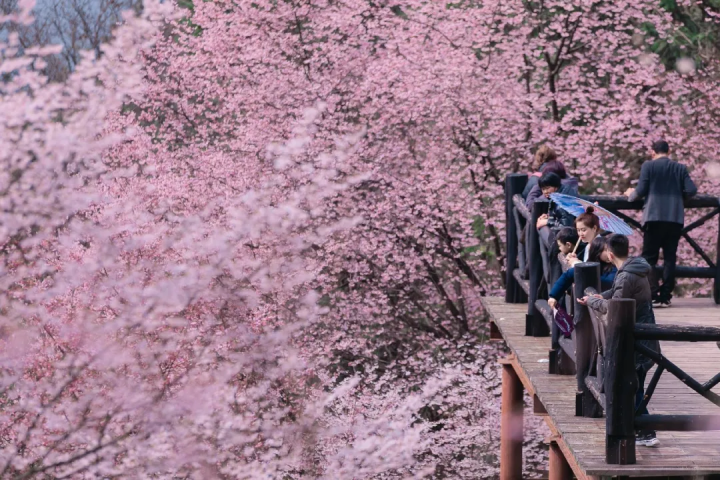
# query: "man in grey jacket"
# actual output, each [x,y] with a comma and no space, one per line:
[631,282]
[664,184]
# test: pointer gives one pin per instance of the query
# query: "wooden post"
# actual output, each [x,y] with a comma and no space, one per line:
[557,359]
[565,363]
[538,407]
[620,383]
[555,350]
[553,358]
[586,275]
[556,353]
[514,185]
[559,363]
[534,323]
[558,466]
[716,285]
[511,425]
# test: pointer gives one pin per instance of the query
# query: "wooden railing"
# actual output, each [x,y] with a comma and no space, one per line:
[601,350]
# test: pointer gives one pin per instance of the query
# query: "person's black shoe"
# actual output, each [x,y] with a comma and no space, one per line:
[661,303]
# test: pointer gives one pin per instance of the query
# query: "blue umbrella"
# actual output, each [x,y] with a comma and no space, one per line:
[575,206]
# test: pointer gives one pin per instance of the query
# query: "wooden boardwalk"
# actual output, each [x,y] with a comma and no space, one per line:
[582,440]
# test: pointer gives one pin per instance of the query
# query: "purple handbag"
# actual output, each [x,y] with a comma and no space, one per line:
[564,322]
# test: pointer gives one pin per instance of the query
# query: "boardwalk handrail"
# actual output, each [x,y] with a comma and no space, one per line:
[514,185]
[622,343]
[608,352]
[601,349]
[594,380]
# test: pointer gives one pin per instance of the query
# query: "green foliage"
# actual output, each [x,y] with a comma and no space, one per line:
[186,4]
[399,12]
[186,20]
[478,227]
[694,38]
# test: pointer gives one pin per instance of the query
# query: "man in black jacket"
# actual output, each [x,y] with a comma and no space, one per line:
[664,184]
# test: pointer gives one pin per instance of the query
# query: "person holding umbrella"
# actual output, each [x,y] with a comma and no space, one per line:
[663,184]
[591,220]
[588,227]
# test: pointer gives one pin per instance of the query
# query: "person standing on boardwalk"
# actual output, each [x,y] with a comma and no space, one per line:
[664,184]
[631,281]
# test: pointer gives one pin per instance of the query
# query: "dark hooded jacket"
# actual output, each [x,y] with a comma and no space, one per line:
[557,216]
[568,186]
[632,282]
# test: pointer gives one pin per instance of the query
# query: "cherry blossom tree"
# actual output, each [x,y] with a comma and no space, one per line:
[146,333]
[204,278]
[451,97]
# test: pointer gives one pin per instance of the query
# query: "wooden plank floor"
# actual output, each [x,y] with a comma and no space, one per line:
[679,453]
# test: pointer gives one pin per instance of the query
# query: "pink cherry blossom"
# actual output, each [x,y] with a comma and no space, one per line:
[250,240]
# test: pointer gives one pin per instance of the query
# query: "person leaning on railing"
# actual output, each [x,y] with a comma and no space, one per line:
[598,253]
[664,184]
[567,238]
[553,180]
[556,217]
[549,224]
[545,161]
[588,227]
[631,282]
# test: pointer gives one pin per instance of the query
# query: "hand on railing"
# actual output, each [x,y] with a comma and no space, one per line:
[584,300]
[542,221]
[572,259]
[519,203]
[563,262]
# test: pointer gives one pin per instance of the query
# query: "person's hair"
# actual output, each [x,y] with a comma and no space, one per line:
[556,167]
[549,180]
[567,235]
[619,245]
[589,218]
[660,146]
[597,247]
[544,154]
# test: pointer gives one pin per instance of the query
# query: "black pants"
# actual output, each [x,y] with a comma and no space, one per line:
[665,236]
[639,396]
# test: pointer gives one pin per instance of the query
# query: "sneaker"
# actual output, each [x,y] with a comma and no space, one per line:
[661,304]
[647,440]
